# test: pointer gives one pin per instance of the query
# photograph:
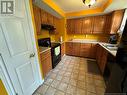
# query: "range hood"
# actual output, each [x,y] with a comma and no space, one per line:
[48,27]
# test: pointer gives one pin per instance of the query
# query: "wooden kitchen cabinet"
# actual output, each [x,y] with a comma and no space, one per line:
[50,19]
[117,17]
[37,18]
[78,26]
[99,24]
[69,48]
[87,25]
[93,51]
[62,49]
[46,62]
[85,49]
[81,49]
[44,17]
[76,49]
[71,26]
[107,26]
[101,57]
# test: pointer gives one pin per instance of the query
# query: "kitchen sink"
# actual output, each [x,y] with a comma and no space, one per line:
[111,46]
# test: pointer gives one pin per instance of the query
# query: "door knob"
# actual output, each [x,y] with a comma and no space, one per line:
[32,55]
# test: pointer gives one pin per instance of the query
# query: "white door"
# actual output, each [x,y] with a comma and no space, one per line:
[16,47]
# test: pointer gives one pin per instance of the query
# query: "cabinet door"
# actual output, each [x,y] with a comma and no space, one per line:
[78,26]
[71,26]
[46,62]
[103,60]
[85,50]
[44,17]
[93,51]
[116,21]
[37,18]
[50,19]
[87,25]
[76,49]
[62,49]
[107,27]
[99,22]
[69,48]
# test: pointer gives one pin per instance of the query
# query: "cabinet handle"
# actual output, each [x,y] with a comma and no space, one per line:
[32,55]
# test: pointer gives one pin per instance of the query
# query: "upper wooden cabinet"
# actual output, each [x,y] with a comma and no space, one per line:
[106,24]
[37,18]
[87,25]
[44,17]
[71,26]
[50,19]
[78,26]
[117,17]
[99,24]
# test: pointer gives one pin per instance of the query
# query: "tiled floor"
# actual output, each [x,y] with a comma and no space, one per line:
[73,76]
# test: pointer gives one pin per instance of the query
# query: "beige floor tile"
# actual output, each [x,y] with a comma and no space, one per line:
[65,79]
[99,83]
[91,88]
[50,91]
[67,74]
[73,82]
[53,76]
[36,93]
[58,92]
[42,89]
[90,80]
[80,91]
[72,77]
[98,77]
[59,77]
[81,84]
[71,90]
[62,87]
[48,81]
[81,78]
[90,93]
[55,83]
[100,90]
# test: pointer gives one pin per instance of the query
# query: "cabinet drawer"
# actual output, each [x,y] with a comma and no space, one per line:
[45,54]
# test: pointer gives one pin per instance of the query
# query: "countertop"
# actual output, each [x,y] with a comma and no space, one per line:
[58,42]
[113,52]
[84,41]
[43,49]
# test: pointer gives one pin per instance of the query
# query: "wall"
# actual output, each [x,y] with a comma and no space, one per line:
[46,34]
[2,89]
[103,38]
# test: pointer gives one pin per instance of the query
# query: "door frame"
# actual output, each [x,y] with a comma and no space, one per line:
[33,35]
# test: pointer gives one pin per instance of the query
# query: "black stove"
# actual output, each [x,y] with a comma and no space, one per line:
[55,50]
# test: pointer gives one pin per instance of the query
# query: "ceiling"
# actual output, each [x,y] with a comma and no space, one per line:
[77,5]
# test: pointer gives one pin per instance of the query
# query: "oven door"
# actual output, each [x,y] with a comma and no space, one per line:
[56,55]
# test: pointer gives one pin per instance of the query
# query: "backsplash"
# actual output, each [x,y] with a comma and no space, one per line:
[103,38]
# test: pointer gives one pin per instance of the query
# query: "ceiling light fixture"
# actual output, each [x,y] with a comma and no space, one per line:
[89,2]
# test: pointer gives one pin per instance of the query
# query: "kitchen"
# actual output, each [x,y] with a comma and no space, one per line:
[63,47]
[92,39]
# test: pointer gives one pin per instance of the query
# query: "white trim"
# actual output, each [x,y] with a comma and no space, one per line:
[5,78]
[33,37]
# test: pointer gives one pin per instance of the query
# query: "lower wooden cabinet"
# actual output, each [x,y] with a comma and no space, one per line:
[81,49]
[46,62]
[62,49]
[101,57]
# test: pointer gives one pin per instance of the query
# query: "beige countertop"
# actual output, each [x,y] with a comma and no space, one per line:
[43,49]
[84,41]
[113,52]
